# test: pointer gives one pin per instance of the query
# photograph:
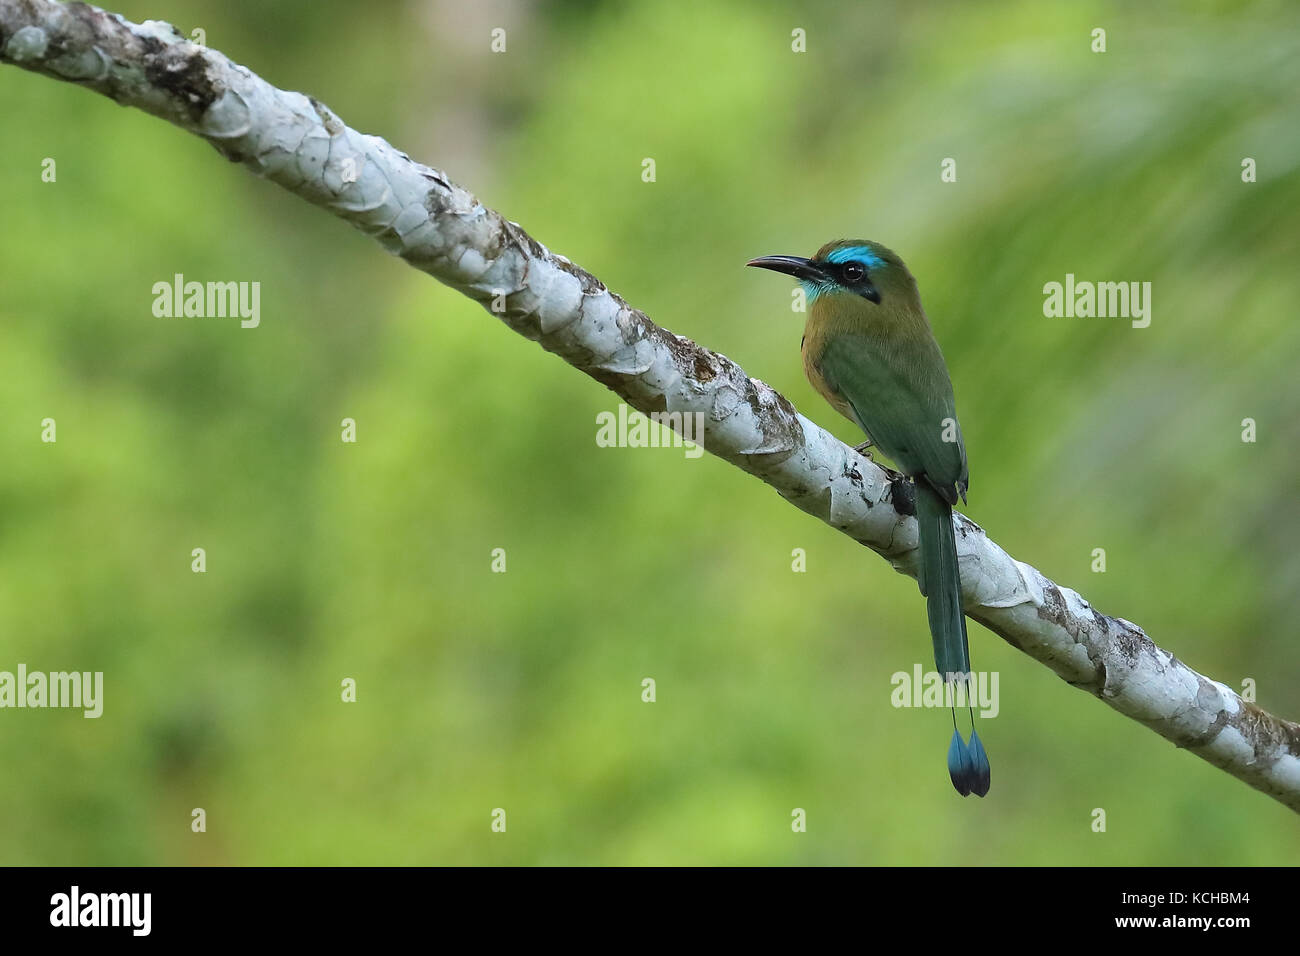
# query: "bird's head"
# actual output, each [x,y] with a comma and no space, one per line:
[856,267]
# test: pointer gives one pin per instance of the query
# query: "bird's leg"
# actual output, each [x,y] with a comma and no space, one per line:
[894,477]
[901,492]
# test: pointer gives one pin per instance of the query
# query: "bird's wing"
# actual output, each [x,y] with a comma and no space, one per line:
[902,398]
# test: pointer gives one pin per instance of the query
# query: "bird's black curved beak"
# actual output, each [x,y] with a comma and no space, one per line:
[797,266]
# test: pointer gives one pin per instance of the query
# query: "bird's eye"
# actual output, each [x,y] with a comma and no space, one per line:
[854,271]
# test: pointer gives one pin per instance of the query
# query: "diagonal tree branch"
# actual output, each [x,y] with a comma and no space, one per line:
[438,227]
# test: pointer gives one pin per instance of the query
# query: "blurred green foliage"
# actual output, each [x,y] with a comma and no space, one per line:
[522,690]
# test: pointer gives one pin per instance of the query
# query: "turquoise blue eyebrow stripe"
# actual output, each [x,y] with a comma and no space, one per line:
[859,253]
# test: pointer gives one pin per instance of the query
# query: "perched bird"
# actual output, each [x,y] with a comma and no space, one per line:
[869,351]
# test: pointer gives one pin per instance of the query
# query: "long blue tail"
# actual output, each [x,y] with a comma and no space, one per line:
[940,580]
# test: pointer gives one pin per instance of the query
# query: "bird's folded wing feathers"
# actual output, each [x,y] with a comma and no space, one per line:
[903,411]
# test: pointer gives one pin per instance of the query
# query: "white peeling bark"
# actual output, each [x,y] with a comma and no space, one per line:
[417,213]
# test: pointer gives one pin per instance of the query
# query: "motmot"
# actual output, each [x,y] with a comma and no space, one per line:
[869,351]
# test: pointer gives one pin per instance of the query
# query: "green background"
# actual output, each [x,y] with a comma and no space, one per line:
[523,690]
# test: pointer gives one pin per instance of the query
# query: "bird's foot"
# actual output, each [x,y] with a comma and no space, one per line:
[862,450]
[901,492]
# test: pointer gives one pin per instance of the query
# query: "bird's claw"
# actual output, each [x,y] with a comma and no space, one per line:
[901,492]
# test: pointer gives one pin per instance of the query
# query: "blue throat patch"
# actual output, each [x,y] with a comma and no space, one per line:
[812,290]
